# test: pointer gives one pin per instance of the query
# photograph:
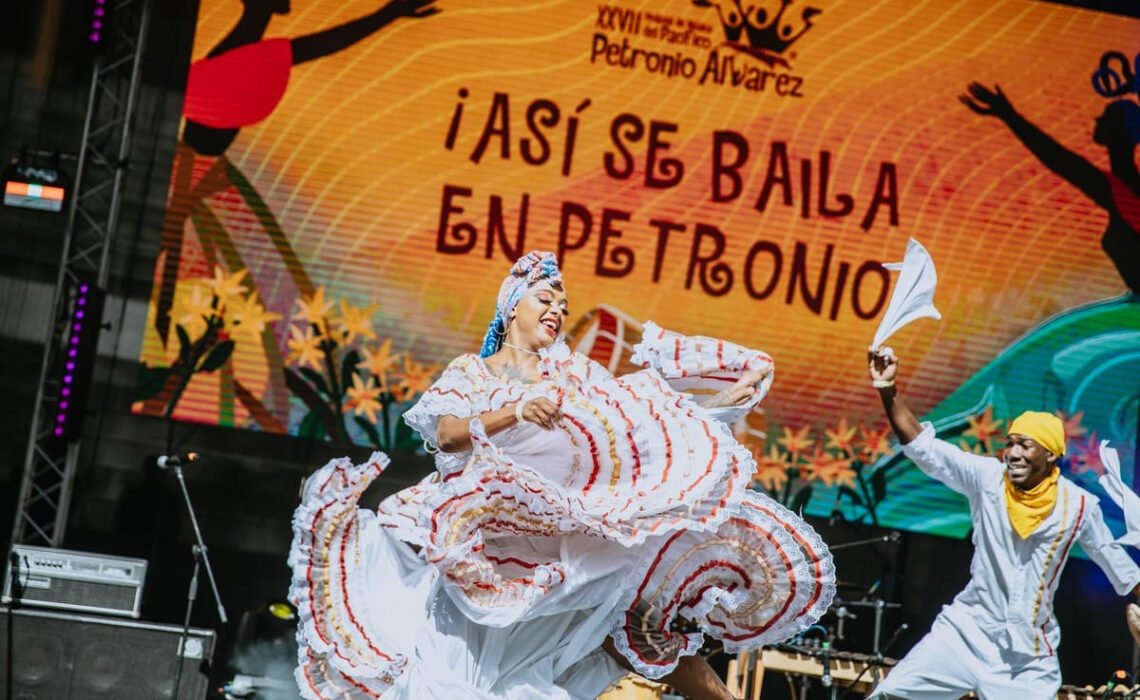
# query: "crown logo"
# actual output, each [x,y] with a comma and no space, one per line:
[768,27]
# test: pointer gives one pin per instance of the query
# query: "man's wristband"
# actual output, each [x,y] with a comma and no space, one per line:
[882,383]
[519,411]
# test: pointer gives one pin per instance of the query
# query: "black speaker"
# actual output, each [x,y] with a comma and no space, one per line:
[62,656]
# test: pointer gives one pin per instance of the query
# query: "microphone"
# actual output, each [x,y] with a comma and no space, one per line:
[843,614]
[176,460]
[825,677]
[1118,677]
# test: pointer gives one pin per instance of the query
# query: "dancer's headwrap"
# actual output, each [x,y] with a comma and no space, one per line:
[1029,508]
[1045,428]
[527,271]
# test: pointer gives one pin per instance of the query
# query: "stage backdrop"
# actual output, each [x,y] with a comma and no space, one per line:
[351,186]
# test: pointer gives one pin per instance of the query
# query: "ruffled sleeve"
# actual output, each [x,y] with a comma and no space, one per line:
[701,365]
[454,394]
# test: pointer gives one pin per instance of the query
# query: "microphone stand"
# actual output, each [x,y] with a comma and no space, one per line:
[892,537]
[825,678]
[200,559]
[17,596]
[876,660]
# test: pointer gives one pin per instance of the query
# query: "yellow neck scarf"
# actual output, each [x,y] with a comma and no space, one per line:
[1028,509]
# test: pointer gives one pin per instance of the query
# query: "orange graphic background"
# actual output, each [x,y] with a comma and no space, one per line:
[352,163]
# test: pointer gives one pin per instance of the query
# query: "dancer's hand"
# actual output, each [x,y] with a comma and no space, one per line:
[542,412]
[988,103]
[739,393]
[882,365]
[416,9]
[1132,616]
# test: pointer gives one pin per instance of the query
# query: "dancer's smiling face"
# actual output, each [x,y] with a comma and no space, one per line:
[1026,461]
[538,319]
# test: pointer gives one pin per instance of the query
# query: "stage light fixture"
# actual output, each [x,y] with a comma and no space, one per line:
[33,186]
[98,18]
[83,328]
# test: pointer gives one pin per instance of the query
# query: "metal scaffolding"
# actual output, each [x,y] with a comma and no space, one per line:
[93,217]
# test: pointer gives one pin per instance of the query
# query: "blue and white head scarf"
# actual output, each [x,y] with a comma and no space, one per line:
[532,268]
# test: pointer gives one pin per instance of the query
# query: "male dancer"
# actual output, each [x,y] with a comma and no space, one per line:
[999,637]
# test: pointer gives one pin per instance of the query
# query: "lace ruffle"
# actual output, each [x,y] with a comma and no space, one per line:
[338,651]
[646,469]
[700,364]
[762,577]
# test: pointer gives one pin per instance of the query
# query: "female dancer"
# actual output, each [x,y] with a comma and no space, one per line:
[579,525]
[1116,190]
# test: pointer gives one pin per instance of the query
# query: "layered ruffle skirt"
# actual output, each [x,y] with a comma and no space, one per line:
[501,575]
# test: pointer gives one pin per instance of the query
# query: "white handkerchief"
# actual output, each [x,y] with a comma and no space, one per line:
[1124,497]
[913,296]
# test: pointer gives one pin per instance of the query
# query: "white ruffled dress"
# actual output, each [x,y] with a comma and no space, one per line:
[534,546]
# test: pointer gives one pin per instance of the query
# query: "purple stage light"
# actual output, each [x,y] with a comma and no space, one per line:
[75,340]
[94,37]
[67,379]
[97,24]
[77,327]
[72,352]
[63,405]
[59,432]
[79,314]
[82,301]
[70,366]
[65,392]
[61,418]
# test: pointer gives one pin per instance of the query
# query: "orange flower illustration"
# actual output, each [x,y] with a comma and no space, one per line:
[795,441]
[355,322]
[304,347]
[363,398]
[842,437]
[381,361]
[829,469]
[248,317]
[226,286]
[416,378]
[314,309]
[1084,455]
[1072,424]
[771,469]
[876,443]
[984,428]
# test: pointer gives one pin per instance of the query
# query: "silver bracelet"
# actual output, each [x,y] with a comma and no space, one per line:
[519,411]
[882,383]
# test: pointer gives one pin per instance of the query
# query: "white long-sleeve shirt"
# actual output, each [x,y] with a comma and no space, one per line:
[1013,580]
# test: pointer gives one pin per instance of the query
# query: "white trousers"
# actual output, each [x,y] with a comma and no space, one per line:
[957,657]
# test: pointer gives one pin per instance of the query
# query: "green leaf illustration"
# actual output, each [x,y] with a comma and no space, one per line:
[348,366]
[184,344]
[312,426]
[852,494]
[304,391]
[370,431]
[879,485]
[318,380]
[801,500]
[217,357]
[151,381]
